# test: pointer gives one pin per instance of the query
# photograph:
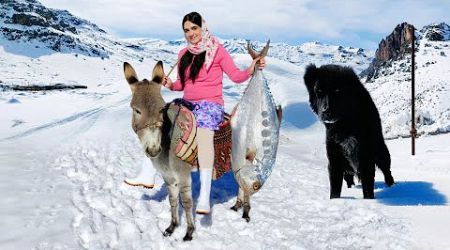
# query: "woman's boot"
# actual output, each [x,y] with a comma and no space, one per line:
[146,178]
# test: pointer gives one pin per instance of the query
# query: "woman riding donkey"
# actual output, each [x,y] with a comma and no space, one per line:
[200,76]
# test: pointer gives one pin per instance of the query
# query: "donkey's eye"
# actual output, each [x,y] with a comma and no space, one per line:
[136,111]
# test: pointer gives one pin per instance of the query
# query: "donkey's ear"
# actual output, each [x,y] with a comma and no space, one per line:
[130,75]
[158,73]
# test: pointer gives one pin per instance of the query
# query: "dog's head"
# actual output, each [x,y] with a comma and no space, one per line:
[330,91]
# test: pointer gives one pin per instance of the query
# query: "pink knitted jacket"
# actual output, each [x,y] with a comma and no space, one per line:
[208,85]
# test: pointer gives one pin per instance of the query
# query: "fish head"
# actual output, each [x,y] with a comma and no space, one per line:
[248,179]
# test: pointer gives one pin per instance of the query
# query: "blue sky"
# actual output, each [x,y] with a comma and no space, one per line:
[354,23]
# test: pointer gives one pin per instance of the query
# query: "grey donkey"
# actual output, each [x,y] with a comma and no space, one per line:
[152,125]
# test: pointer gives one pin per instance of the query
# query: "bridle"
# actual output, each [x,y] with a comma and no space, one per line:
[153,125]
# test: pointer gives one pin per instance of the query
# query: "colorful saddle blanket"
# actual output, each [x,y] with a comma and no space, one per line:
[184,141]
[184,131]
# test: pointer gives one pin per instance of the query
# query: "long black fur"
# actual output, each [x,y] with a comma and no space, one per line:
[354,137]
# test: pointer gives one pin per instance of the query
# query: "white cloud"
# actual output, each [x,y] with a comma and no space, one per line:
[336,22]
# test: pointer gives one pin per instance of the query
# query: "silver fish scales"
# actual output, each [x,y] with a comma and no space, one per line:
[256,126]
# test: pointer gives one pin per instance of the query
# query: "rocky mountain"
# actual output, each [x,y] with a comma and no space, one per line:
[388,78]
[311,52]
[35,26]
[436,32]
[301,55]
[31,23]
[29,30]
[394,47]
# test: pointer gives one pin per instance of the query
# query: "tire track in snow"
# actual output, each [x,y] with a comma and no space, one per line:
[92,113]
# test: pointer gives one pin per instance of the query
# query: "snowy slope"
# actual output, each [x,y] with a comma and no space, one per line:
[68,191]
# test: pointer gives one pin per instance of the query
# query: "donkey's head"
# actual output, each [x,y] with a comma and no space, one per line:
[147,104]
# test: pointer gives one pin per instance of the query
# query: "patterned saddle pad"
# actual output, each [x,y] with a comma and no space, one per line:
[185,144]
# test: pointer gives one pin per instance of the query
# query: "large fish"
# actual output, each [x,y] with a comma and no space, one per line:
[255,125]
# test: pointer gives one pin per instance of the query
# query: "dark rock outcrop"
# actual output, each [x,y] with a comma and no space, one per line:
[393,47]
[398,45]
[29,21]
[436,32]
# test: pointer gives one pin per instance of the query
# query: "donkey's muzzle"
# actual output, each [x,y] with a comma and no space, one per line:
[152,152]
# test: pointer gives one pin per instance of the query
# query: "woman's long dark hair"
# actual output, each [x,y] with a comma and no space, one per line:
[196,61]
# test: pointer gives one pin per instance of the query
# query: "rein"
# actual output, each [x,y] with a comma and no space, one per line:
[148,125]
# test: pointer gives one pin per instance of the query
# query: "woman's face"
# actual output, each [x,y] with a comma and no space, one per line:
[192,32]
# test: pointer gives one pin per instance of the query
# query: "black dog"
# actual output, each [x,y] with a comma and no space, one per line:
[354,136]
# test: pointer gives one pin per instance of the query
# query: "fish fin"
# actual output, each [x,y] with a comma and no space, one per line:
[279,111]
[250,155]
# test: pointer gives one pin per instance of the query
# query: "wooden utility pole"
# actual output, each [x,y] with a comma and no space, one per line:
[413,119]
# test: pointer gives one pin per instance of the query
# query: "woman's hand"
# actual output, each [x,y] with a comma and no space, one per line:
[167,82]
[261,64]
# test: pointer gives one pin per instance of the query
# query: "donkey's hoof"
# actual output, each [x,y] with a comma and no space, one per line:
[169,231]
[187,238]
[246,216]
[235,208]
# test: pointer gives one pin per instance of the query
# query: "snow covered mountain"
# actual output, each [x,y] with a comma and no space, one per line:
[389,81]
[35,39]
[31,24]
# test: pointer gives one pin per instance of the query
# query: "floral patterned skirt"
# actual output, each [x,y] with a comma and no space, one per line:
[209,115]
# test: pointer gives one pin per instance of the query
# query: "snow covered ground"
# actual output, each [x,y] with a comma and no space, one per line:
[63,161]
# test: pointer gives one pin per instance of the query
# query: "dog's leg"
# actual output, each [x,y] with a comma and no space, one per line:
[383,161]
[367,177]
[349,179]
[336,167]
[173,200]
[336,175]
[186,201]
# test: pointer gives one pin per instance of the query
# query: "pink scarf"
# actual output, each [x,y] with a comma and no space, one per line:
[208,43]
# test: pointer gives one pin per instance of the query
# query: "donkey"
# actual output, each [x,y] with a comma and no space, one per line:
[152,125]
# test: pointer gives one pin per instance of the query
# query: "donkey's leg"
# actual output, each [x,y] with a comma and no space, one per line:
[173,200]
[246,206]
[239,200]
[186,201]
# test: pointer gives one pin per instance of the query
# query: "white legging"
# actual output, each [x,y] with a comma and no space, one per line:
[205,141]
